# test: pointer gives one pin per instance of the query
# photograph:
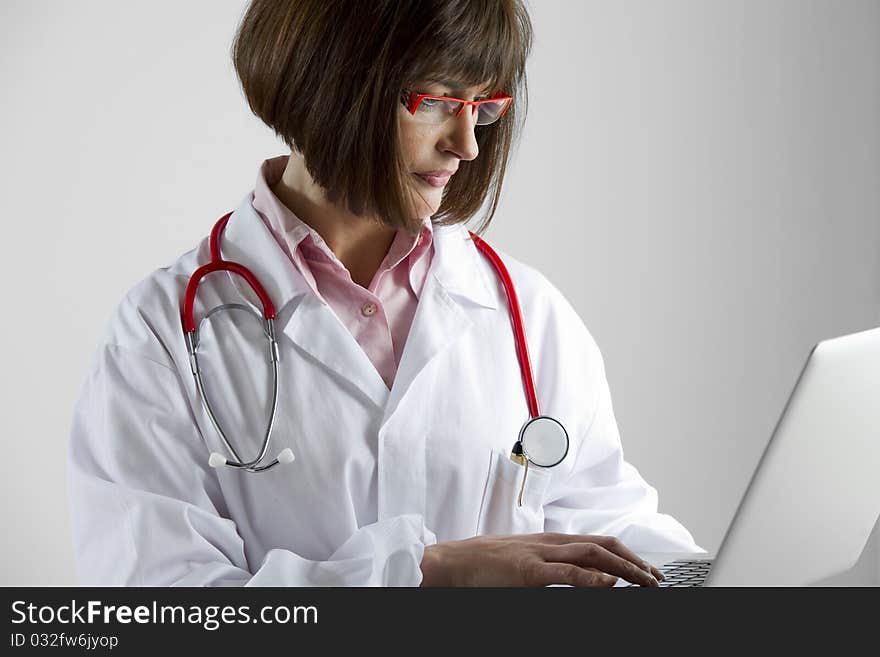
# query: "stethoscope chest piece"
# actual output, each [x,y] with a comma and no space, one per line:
[544,441]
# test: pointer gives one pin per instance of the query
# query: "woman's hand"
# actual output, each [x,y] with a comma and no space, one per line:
[535,560]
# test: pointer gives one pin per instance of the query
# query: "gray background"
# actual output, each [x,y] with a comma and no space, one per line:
[700,179]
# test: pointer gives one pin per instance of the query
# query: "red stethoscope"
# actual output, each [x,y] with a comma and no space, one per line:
[543,440]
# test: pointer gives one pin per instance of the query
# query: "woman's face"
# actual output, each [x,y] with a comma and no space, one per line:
[427,148]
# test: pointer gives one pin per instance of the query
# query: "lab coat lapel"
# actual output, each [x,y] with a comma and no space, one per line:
[316,329]
[456,288]
[300,315]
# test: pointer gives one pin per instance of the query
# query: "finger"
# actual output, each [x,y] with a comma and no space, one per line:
[615,545]
[566,573]
[657,572]
[593,555]
[596,570]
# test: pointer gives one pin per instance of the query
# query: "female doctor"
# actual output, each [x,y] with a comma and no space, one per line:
[398,411]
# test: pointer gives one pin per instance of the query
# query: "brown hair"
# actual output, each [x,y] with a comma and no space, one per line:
[323,75]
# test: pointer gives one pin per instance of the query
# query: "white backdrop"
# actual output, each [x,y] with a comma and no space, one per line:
[699,178]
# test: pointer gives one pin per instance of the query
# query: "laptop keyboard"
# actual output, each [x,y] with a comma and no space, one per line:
[685,572]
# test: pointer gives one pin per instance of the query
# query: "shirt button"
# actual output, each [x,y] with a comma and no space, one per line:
[368,308]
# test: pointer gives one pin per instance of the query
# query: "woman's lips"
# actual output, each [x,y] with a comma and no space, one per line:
[435,181]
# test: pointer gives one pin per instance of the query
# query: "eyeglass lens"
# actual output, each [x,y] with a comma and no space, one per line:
[435,110]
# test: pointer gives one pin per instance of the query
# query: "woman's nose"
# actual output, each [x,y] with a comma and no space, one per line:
[461,137]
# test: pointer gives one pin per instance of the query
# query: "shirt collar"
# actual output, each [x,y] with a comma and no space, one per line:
[249,240]
[289,230]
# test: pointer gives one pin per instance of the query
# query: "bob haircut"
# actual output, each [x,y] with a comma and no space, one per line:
[326,77]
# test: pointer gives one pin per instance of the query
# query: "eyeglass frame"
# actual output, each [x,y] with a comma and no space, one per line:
[414,99]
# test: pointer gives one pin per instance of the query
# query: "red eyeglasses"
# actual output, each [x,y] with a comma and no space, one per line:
[437,109]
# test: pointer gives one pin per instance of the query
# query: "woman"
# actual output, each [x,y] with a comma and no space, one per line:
[400,389]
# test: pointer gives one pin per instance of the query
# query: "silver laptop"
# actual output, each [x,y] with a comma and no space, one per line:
[814,498]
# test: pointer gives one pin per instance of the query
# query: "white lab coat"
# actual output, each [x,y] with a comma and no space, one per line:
[378,474]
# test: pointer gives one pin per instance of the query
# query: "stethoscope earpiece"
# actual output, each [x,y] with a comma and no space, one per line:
[217,460]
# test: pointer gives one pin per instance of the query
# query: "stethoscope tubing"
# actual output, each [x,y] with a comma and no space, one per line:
[219,264]
[192,345]
[522,350]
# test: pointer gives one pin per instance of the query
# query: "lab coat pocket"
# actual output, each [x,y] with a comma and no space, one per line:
[500,512]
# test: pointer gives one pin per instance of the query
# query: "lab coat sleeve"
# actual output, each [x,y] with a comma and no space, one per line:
[603,494]
[147,510]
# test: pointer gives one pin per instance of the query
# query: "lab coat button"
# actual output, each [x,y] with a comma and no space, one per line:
[368,308]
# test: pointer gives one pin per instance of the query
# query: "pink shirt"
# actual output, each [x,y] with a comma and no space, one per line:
[380,317]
